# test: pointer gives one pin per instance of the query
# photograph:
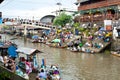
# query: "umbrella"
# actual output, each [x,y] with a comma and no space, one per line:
[35,37]
[12,51]
[56,40]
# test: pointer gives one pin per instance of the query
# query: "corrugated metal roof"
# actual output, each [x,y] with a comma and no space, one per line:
[26,50]
[83,1]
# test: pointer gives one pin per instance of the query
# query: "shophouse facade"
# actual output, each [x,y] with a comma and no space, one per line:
[96,11]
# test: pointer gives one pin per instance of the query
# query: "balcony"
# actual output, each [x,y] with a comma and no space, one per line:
[99,4]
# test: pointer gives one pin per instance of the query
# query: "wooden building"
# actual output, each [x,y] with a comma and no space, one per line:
[96,11]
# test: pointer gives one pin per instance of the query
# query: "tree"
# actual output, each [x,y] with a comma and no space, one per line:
[62,20]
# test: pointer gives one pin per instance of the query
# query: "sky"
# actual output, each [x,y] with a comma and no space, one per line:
[34,8]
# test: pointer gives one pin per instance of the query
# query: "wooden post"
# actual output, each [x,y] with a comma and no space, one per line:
[25,31]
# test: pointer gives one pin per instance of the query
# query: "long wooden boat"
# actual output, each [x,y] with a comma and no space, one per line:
[75,50]
[56,46]
[80,50]
[6,74]
[115,53]
[38,41]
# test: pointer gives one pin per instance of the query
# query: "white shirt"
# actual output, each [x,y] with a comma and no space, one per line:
[27,67]
[1,59]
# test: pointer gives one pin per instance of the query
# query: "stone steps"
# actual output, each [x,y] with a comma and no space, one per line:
[97,50]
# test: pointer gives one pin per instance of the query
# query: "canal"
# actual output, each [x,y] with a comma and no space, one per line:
[76,66]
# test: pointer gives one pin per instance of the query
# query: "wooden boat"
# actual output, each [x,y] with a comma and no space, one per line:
[52,72]
[56,45]
[115,53]
[38,41]
[6,74]
[30,55]
[75,51]
[34,41]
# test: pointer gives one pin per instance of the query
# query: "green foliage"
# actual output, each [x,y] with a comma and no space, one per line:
[67,30]
[87,32]
[4,75]
[62,20]
[81,29]
[76,25]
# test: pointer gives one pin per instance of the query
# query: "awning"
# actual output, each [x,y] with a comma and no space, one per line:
[35,37]
[27,51]
[56,40]
[12,51]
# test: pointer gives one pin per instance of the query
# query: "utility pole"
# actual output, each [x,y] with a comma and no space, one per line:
[59,5]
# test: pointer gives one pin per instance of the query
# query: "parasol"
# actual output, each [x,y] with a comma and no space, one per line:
[56,40]
[35,37]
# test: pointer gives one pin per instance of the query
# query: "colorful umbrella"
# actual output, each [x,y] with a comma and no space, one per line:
[35,37]
[56,40]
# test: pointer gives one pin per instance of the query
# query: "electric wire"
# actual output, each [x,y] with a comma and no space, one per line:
[7,3]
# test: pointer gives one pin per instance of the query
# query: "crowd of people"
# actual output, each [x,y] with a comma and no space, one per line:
[75,45]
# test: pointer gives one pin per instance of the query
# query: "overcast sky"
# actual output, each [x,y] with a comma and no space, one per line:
[36,8]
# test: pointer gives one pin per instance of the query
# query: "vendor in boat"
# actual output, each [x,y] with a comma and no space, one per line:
[5,60]
[28,67]
[56,74]
[9,63]
[54,69]
[55,77]
[42,75]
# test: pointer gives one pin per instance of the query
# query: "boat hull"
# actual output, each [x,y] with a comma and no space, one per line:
[115,53]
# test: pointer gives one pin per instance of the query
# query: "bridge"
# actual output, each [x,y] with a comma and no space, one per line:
[35,25]
[29,26]
[19,24]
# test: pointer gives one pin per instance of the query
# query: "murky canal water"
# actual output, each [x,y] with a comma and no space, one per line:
[76,66]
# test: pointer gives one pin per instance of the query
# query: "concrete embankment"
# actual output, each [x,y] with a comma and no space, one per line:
[115,44]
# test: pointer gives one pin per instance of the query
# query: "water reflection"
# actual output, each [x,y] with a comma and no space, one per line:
[77,66]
